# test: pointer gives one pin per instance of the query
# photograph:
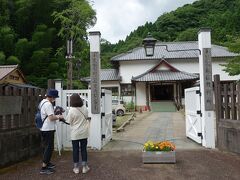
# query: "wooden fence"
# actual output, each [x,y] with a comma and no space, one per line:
[19,138]
[227,104]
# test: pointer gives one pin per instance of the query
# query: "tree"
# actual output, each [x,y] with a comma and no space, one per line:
[4,12]
[233,66]
[188,35]
[7,40]
[13,60]
[75,19]
[2,58]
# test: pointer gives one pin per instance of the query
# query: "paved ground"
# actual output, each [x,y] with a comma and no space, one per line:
[127,165]
[153,126]
[121,158]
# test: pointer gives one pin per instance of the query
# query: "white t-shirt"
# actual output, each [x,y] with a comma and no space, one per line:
[78,122]
[47,110]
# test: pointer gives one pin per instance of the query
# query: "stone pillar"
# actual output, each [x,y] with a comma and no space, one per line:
[205,70]
[95,139]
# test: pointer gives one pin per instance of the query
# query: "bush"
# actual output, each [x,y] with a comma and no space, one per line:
[130,106]
[13,60]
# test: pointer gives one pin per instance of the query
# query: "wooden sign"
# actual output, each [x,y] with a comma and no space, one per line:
[95,82]
[207,75]
[10,105]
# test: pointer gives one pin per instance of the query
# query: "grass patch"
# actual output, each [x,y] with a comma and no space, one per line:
[121,119]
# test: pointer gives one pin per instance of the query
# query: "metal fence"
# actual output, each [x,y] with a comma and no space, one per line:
[19,138]
[227,105]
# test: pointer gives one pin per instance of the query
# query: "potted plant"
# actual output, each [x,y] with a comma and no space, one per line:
[159,152]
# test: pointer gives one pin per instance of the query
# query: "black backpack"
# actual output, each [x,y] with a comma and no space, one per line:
[38,119]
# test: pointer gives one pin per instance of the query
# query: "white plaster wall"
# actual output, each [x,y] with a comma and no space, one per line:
[140,94]
[163,67]
[128,69]
[192,66]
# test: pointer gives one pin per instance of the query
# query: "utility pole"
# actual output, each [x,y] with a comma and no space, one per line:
[69,58]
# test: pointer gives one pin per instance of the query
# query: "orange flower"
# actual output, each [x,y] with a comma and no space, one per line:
[159,146]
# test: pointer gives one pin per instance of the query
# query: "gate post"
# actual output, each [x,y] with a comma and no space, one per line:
[59,126]
[205,65]
[58,86]
[95,139]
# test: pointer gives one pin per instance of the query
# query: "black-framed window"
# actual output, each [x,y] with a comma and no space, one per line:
[127,90]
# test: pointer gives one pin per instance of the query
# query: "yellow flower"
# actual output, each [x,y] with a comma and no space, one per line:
[159,146]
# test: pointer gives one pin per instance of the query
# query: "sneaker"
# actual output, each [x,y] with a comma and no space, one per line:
[51,166]
[85,169]
[45,170]
[76,170]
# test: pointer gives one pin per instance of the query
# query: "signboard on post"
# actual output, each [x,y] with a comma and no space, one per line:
[95,82]
[207,79]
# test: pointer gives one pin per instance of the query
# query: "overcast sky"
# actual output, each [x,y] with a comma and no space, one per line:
[117,18]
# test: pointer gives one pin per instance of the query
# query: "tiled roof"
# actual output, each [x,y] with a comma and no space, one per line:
[6,69]
[20,85]
[165,76]
[106,75]
[161,52]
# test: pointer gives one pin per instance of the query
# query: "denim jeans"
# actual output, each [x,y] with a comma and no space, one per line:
[83,147]
[48,145]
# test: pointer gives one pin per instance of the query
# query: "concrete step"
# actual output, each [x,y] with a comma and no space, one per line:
[163,106]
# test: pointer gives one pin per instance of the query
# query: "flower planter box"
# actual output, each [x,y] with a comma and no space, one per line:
[158,157]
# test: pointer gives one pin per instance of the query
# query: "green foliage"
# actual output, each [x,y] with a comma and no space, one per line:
[4,12]
[7,38]
[13,60]
[188,35]
[75,19]
[233,67]
[28,36]
[130,106]
[2,58]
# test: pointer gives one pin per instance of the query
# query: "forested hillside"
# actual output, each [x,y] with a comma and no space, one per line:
[33,34]
[222,16]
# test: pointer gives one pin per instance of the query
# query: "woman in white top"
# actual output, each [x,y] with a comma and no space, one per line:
[77,118]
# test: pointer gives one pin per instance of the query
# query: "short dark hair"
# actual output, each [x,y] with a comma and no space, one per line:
[75,100]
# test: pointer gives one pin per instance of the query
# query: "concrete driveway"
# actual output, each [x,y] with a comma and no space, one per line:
[156,126]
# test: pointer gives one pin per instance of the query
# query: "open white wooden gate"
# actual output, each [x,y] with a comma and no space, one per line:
[106,117]
[193,114]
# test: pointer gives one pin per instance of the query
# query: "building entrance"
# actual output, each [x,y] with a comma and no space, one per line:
[161,92]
